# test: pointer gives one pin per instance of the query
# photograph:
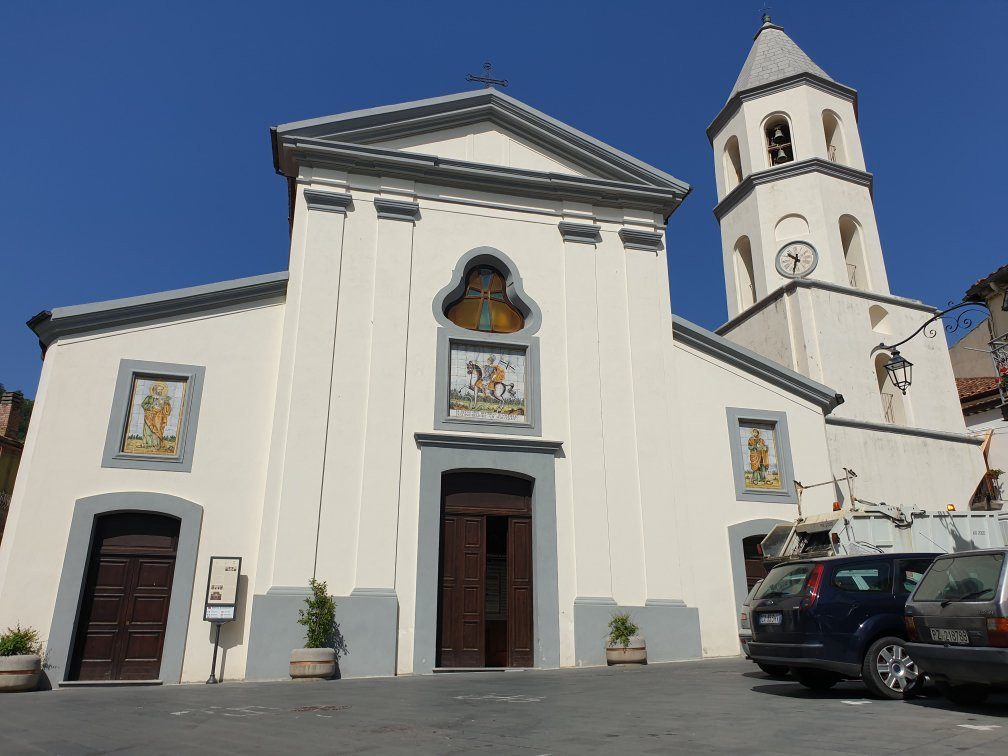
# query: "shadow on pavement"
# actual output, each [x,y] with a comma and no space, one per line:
[995,706]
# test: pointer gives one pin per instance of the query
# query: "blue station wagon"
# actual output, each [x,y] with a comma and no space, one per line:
[839,618]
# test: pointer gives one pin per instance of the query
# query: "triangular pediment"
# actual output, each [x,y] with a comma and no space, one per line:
[482,128]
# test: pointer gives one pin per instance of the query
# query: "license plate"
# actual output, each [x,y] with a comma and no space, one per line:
[771,618]
[950,636]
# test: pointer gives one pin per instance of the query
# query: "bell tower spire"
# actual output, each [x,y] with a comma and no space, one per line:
[791,178]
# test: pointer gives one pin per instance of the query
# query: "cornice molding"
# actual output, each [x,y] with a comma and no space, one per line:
[738,356]
[582,233]
[332,202]
[905,430]
[810,283]
[790,170]
[772,87]
[649,241]
[488,443]
[376,161]
[397,209]
[78,319]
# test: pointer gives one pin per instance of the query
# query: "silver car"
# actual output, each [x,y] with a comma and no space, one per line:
[745,635]
[957,620]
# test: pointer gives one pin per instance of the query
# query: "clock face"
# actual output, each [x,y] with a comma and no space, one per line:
[797,259]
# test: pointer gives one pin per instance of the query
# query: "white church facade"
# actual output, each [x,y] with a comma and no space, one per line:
[467,405]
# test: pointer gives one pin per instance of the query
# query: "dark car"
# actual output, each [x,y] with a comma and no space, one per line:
[839,618]
[957,621]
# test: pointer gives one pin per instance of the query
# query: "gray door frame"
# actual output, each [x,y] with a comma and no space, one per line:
[442,453]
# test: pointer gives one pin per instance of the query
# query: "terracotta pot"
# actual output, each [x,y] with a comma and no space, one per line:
[635,653]
[20,672]
[312,663]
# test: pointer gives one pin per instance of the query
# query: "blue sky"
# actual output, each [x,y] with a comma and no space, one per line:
[137,153]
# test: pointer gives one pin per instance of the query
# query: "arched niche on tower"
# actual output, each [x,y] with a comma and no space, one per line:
[894,403]
[878,317]
[732,164]
[852,243]
[791,226]
[745,278]
[778,139]
[836,149]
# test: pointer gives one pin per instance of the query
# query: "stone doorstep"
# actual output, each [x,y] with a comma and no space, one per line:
[109,683]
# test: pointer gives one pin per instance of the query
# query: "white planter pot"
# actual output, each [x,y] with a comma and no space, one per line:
[635,653]
[20,672]
[312,663]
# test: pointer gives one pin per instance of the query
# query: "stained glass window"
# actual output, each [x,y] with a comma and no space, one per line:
[485,306]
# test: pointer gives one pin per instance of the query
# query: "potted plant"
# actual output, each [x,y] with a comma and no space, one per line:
[20,659]
[317,660]
[624,645]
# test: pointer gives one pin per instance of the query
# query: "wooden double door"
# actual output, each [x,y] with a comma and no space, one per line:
[127,591]
[485,597]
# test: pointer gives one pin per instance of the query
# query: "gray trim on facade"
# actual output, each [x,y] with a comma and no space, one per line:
[736,533]
[75,566]
[737,416]
[519,457]
[443,421]
[377,161]
[448,333]
[905,430]
[811,283]
[450,111]
[738,356]
[790,170]
[648,241]
[397,209]
[583,233]
[670,629]
[112,454]
[130,311]
[332,202]
[368,622]
[816,82]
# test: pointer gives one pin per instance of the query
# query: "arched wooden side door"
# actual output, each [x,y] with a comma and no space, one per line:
[124,609]
[469,501]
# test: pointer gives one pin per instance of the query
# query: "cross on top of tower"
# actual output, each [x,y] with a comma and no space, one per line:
[485,79]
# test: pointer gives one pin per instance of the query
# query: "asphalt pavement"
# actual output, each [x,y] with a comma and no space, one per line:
[712,706]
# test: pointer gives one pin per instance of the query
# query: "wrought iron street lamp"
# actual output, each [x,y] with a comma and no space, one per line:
[899,368]
[900,371]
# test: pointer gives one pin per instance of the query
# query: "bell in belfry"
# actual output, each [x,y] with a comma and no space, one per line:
[778,135]
[780,157]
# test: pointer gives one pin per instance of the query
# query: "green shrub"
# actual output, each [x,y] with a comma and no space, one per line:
[19,640]
[621,630]
[319,619]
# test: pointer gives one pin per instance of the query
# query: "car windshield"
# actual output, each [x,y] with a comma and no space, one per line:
[972,577]
[784,580]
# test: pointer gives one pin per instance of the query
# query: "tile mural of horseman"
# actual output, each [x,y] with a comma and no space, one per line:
[487,385]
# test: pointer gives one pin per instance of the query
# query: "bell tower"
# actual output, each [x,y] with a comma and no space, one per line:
[794,197]
[805,279]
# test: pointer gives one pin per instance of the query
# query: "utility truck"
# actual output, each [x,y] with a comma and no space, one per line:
[880,528]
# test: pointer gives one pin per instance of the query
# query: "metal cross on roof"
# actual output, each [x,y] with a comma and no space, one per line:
[485,79]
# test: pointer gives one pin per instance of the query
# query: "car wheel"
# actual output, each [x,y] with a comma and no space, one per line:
[775,671]
[889,671]
[815,679]
[964,695]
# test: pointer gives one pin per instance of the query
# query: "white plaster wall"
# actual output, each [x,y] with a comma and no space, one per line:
[906,470]
[704,492]
[62,461]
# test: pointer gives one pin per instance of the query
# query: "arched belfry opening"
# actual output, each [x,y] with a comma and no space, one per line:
[833,133]
[894,408]
[745,278]
[732,164]
[485,577]
[777,136]
[852,243]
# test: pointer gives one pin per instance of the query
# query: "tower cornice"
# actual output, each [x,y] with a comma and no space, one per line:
[797,80]
[789,170]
